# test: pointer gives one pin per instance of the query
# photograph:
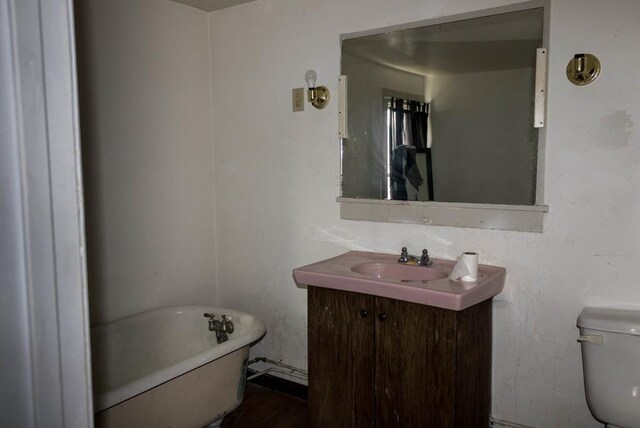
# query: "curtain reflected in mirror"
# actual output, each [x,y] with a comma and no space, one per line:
[407,135]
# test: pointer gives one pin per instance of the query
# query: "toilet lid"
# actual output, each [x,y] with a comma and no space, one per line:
[610,320]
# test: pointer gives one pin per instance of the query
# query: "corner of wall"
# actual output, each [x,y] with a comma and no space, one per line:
[214,221]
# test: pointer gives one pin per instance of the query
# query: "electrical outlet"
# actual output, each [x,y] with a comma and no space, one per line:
[298,99]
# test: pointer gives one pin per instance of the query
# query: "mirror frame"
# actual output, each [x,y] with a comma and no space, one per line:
[523,218]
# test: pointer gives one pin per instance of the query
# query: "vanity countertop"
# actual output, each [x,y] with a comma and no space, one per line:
[401,283]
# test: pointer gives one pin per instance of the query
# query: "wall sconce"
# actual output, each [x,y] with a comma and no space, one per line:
[318,96]
[583,69]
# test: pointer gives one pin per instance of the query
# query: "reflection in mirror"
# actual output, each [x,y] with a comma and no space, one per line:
[444,112]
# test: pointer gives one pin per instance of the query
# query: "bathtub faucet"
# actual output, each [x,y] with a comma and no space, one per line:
[223,328]
[405,257]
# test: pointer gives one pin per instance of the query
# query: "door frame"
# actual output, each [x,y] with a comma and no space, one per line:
[43,298]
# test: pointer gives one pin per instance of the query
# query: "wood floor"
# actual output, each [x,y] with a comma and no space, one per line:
[266,408]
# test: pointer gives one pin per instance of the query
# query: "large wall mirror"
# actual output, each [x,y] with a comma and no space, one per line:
[444,112]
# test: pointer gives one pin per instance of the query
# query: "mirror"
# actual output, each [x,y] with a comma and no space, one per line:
[444,112]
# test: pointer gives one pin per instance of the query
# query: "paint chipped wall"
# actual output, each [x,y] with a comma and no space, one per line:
[277,178]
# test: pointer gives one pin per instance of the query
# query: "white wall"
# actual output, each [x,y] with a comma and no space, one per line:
[365,151]
[484,143]
[277,179]
[146,134]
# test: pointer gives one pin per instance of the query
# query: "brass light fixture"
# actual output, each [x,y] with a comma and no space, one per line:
[583,69]
[318,96]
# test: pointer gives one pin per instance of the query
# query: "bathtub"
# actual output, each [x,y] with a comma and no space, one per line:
[164,368]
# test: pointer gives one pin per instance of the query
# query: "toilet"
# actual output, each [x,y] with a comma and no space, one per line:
[610,341]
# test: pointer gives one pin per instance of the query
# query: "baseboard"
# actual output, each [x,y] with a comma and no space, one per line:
[279,384]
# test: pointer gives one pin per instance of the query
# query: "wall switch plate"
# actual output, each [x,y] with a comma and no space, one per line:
[298,99]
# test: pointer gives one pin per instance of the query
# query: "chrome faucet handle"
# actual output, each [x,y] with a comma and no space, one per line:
[212,321]
[425,260]
[227,325]
[404,255]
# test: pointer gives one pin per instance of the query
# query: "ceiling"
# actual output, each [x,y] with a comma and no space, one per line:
[498,42]
[211,5]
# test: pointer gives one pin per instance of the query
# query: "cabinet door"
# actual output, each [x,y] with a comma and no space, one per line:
[341,358]
[415,365]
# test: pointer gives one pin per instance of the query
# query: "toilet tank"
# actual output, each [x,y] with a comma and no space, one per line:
[610,340]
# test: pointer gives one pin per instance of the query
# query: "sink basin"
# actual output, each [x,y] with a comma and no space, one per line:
[401,272]
[381,275]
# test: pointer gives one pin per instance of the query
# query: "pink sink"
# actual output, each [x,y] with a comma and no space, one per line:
[381,275]
[399,272]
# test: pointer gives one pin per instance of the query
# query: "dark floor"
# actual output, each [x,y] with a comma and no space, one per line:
[266,408]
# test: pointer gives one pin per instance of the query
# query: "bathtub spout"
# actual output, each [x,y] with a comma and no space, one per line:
[221,337]
[222,328]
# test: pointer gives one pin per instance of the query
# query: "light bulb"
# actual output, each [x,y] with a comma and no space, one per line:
[310,76]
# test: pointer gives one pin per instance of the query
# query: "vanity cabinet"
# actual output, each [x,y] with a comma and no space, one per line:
[380,362]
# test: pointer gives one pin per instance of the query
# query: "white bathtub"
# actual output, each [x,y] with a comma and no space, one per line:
[164,367]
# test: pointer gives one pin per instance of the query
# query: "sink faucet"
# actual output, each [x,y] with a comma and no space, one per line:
[223,328]
[405,257]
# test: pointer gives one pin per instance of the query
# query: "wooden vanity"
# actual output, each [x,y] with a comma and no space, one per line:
[380,361]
